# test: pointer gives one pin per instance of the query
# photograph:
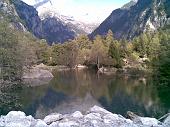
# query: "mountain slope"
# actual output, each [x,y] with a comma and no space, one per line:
[49,29]
[46,10]
[9,14]
[128,23]
[129,5]
[30,16]
[49,25]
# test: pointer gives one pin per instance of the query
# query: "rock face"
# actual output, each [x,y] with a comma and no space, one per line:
[130,21]
[55,31]
[30,17]
[49,25]
[7,10]
[95,117]
[79,27]
[49,29]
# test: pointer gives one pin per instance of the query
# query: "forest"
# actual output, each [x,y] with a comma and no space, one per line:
[149,51]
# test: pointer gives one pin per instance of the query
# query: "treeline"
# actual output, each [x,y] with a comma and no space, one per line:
[106,51]
[19,50]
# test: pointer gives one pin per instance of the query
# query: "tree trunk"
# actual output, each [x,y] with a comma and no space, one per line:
[98,63]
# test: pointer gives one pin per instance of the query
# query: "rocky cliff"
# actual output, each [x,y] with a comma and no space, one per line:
[142,16]
[49,25]
[9,14]
[30,17]
[95,117]
[50,28]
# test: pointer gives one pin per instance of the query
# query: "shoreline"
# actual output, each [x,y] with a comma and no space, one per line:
[94,117]
[103,70]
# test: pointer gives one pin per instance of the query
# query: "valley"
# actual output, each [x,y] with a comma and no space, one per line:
[66,64]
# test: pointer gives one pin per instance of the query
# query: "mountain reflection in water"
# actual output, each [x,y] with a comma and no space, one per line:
[70,91]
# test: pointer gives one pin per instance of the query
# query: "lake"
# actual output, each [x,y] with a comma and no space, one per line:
[74,90]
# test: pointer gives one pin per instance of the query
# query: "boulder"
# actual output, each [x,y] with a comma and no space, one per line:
[54,124]
[41,123]
[149,121]
[95,117]
[69,124]
[37,73]
[52,118]
[145,121]
[98,109]
[77,114]
[17,119]
[167,121]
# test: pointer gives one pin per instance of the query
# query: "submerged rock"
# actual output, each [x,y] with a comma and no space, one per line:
[95,117]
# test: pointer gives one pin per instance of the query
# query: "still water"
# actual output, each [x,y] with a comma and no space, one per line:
[70,91]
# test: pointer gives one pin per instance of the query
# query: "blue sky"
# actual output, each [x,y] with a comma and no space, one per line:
[92,11]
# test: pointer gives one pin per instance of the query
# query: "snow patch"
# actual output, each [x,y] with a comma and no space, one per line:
[150,24]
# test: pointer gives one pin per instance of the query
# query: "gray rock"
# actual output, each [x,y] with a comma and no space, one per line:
[99,110]
[69,124]
[37,73]
[41,123]
[167,121]
[149,121]
[95,117]
[52,118]
[77,114]
[17,119]
[54,124]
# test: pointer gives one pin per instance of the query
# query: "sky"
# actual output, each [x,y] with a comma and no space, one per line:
[91,11]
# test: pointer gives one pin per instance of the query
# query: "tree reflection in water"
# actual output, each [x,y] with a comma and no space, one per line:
[72,90]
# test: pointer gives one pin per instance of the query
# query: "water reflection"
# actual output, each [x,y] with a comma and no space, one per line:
[69,91]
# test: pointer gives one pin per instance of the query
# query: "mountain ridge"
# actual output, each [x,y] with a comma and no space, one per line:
[49,25]
[50,29]
[129,23]
[80,27]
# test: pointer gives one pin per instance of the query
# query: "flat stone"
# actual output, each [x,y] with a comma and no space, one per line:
[99,110]
[52,118]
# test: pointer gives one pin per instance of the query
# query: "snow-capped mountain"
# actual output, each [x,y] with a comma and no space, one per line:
[46,9]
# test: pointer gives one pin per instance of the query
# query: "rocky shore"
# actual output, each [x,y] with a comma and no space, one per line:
[95,117]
